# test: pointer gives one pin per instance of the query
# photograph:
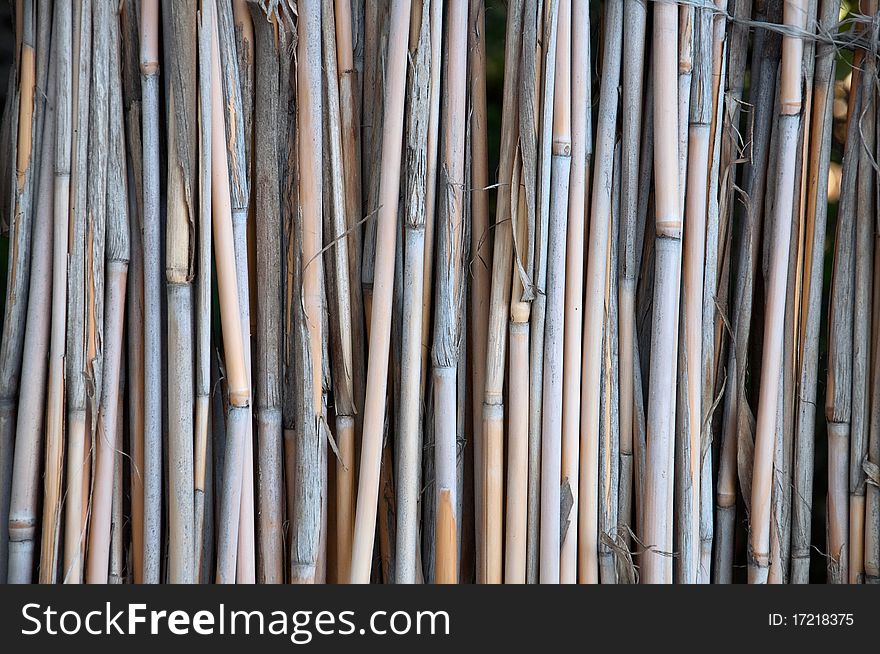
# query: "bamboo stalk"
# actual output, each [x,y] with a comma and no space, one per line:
[693,265]
[233,342]
[109,437]
[450,289]
[771,366]
[594,297]
[202,390]
[409,446]
[377,371]
[657,568]
[270,38]
[152,467]
[18,271]
[181,42]
[24,496]
[481,253]
[635,17]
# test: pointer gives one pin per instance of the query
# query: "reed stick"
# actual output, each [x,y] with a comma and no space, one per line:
[594,297]
[202,263]
[109,436]
[152,467]
[380,328]
[24,496]
[632,83]
[657,567]
[18,271]
[237,418]
[409,451]
[450,289]
[771,366]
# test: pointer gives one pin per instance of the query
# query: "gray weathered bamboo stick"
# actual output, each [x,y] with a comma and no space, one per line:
[816,221]
[75,387]
[267,360]
[635,17]
[595,306]
[108,437]
[449,304]
[18,271]
[152,468]
[551,411]
[409,454]
[181,44]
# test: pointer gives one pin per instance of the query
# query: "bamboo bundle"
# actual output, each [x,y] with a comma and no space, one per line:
[611,398]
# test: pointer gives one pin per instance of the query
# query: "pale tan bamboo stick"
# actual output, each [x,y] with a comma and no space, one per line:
[693,268]
[202,394]
[24,496]
[594,299]
[492,464]
[656,566]
[55,390]
[108,435]
[581,152]
[233,342]
[516,513]
[377,372]
[771,366]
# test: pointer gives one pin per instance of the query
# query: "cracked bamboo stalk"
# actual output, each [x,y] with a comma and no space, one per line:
[380,327]
[409,455]
[771,365]
[108,436]
[181,42]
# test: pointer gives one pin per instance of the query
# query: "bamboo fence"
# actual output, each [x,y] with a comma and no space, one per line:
[441,291]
